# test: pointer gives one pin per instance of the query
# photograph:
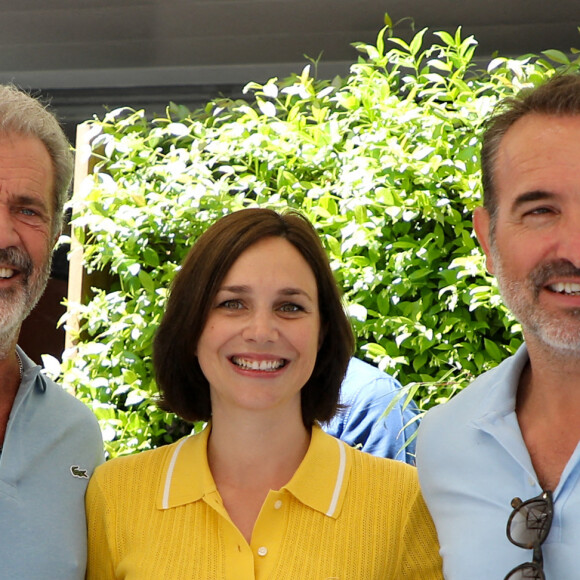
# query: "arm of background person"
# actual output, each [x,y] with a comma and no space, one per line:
[367,392]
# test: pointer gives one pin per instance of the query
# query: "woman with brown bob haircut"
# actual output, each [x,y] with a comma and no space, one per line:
[255,341]
[184,388]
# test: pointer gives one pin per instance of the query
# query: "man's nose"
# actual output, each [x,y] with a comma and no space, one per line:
[8,234]
[569,241]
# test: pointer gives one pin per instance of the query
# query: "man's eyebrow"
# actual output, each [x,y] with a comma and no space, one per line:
[31,200]
[529,196]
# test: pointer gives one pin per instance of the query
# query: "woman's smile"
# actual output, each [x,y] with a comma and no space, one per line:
[252,364]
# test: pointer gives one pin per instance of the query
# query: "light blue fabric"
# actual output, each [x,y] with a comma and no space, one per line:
[366,392]
[472,462]
[52,445]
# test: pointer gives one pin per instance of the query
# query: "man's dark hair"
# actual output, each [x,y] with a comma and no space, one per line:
[558,96]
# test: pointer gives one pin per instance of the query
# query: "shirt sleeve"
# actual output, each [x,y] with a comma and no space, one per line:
[100,564]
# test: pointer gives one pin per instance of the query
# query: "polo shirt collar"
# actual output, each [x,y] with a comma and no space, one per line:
[31,378]
[497,416]
[186,477]
[322,478]
[320,481]
[502,388]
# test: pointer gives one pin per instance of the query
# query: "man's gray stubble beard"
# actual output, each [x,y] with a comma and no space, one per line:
[17,303]
[533,319]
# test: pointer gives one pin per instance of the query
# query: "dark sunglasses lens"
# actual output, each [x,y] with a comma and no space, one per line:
[529,524]
[526,572]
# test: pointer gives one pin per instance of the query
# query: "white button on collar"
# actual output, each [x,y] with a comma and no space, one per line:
[262,551]
[278,504]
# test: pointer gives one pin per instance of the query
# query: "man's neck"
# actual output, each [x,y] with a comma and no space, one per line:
[8,341]
[10,378]
[548,406]
[552,373]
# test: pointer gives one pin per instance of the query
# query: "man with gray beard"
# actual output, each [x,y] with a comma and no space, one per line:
[49,441]
[499,464]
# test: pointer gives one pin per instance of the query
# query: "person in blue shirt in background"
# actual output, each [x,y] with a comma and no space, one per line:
[366,393]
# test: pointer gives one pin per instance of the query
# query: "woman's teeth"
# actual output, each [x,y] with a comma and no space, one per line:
[258,365]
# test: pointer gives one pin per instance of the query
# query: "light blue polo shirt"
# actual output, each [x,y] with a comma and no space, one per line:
[472,462]
[51,447]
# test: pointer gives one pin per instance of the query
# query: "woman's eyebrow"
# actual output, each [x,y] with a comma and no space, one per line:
[235,289]
[295,292]
[243,289]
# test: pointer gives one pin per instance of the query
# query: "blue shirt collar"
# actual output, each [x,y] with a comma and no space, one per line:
[501,388]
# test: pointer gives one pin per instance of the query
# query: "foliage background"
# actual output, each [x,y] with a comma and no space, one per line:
[384,162]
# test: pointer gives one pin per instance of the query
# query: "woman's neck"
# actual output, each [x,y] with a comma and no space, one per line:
[251,457]
[254,451]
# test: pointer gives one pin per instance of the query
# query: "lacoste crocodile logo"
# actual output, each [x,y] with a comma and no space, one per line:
[76,471]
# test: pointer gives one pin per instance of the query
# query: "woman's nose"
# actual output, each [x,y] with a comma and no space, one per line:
[261,327]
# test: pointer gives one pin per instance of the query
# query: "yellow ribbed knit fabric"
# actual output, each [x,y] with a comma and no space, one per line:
[345,515]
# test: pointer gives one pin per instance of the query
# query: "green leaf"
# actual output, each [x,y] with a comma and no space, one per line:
[445,37]
[146,281]
[557,56]
[417,41]
[493,350]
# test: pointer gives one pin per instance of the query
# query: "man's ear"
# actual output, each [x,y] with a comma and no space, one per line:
[55,239]
[481,225]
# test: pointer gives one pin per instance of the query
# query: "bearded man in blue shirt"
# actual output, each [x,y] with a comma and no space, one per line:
[500,463]
[49,441]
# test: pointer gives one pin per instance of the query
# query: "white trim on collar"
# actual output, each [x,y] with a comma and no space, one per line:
[169,476]
[339,479]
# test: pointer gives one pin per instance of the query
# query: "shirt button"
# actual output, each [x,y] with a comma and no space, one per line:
[262,551]
[278,504]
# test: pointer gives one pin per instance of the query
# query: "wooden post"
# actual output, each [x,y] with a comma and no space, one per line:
[77,282]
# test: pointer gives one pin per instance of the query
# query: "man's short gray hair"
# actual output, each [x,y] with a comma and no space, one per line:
[22,114]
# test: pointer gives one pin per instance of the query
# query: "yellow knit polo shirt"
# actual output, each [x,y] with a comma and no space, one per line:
[344,515]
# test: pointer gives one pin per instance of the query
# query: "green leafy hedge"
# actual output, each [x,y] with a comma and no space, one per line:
[385,164]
